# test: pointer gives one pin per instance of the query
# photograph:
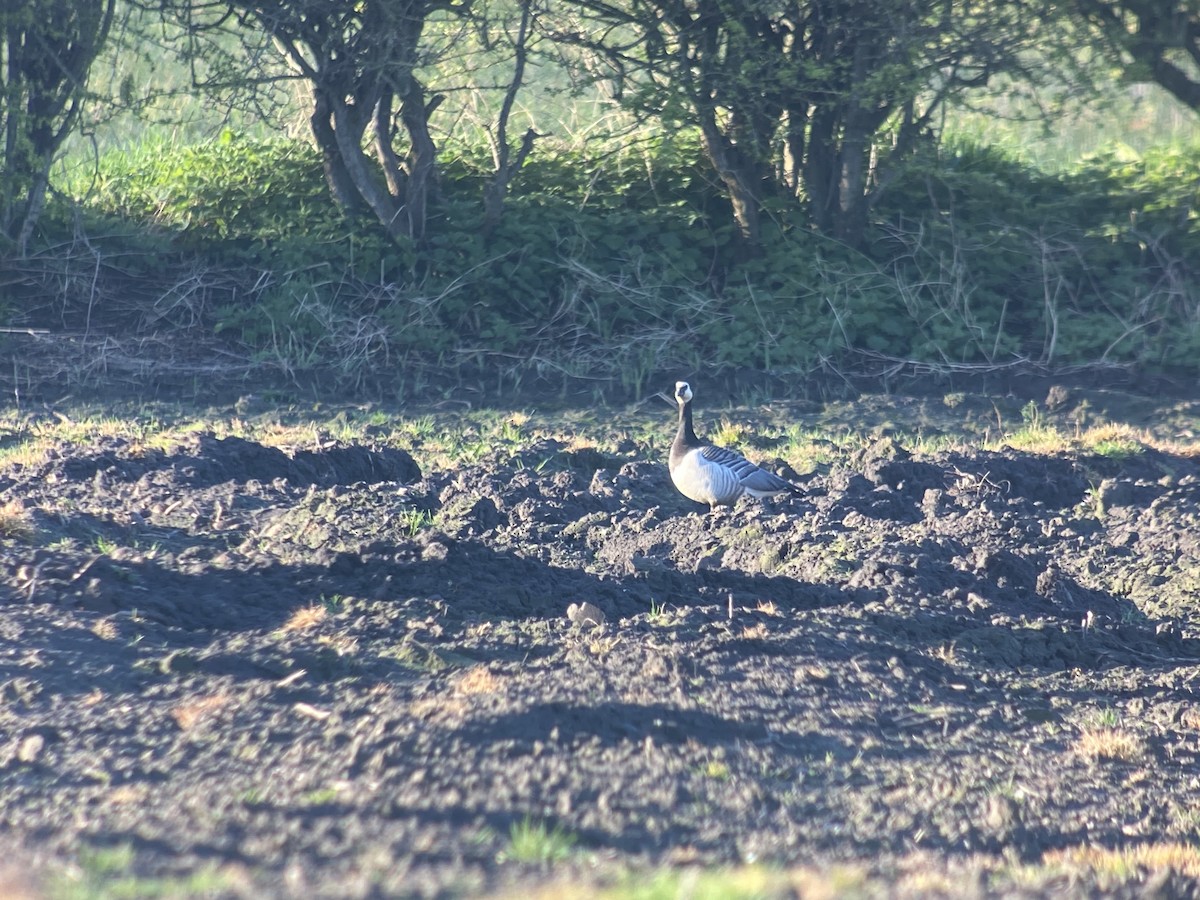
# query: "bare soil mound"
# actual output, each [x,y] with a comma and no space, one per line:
[322,673]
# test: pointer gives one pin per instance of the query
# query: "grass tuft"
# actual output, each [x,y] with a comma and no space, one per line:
[1115,441]
[1106,743]
[414,520]
[15,521]
[531,841]
[729,434]
[305,618]
[1036,434]
[106,629]
[190,713]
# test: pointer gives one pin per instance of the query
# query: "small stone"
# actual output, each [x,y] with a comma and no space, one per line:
[585,614]
[30,748]
[1002,813]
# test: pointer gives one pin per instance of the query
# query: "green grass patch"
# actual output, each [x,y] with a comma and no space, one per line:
[107,873]
[638,268]
[533,841]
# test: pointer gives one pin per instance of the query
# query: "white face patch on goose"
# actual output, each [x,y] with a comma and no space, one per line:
[715,475]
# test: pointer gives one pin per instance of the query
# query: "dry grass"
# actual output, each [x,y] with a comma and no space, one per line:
[1115,436]
[342,645]
[1125,862]
[478,680]
[16,522]
[27,453]
[106,629]
[190,713]
[1190,718]
[946,653]
[1109,744]
[127,795]
[683,879]
[1035,438]
[305,618]
[919,874]
[438,708]
[814,674]
[603,646]
[284,436]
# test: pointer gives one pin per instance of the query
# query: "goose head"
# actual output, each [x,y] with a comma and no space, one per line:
[683,392]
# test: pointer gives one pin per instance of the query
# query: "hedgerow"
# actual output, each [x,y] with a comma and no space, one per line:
[617,264]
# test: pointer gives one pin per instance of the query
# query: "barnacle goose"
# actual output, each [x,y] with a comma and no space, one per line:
[715,475]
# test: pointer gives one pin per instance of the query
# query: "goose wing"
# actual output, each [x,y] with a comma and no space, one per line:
[752,479]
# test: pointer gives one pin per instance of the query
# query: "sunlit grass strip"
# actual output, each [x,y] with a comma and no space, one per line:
[37,437]
[1115,440]
[1113,866]
[919,875]
[109,872]
[443,440]
[751,882]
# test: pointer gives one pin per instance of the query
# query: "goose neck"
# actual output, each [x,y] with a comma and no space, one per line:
[686,432]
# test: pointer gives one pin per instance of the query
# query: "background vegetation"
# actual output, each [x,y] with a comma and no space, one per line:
[576,224]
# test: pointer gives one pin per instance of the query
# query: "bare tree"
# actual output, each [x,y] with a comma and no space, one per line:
[370,110]
[508,163]
[363,65]
[812,99]
[359,61]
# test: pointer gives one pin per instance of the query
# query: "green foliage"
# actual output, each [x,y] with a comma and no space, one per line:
[239,200]
[107,872]
[532,841]
[999,261]
[622,262]
[47,48]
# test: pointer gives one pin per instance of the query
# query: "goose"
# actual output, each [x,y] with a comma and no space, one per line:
[715,475]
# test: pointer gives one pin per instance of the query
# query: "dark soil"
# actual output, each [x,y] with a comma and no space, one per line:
[945,672]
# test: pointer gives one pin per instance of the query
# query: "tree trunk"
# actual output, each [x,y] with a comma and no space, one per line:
[723,158]
[337,177]
[506,166]
[421,164]
[47,48]
[821,170]
[850,216]
[349,134]
[393,171]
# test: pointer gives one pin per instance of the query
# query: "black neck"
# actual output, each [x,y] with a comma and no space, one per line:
[687,434]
